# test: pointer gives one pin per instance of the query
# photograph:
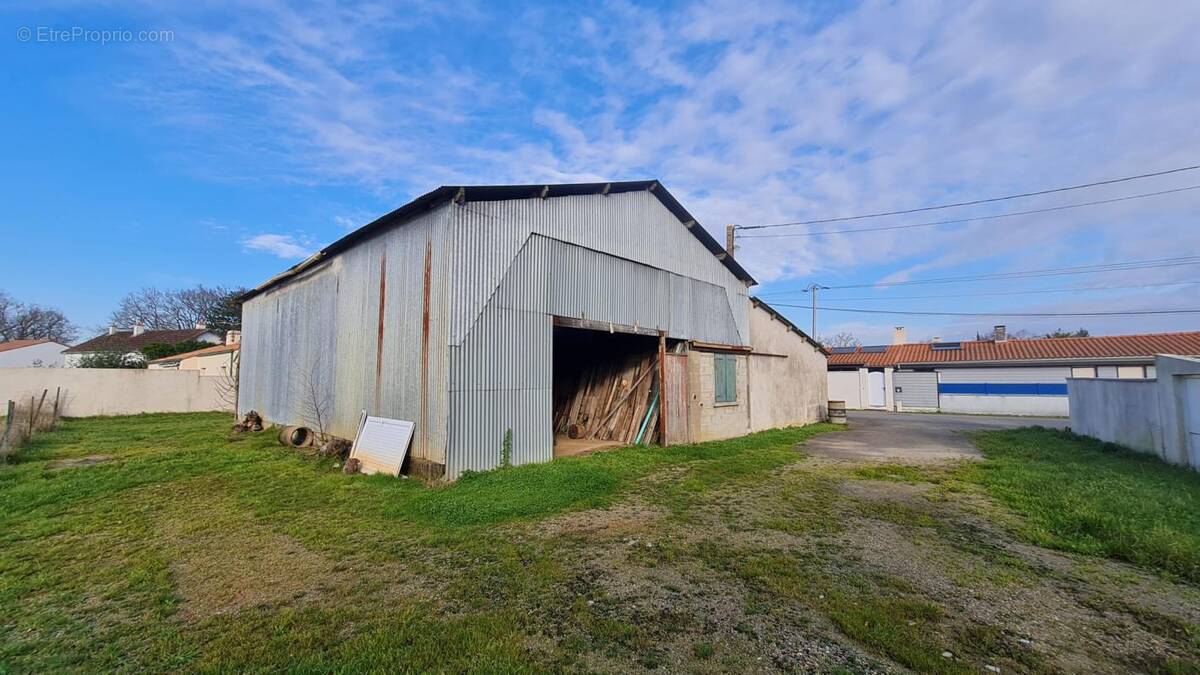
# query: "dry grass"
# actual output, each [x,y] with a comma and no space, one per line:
[28,416]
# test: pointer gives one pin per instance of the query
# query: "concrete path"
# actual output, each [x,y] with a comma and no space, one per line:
[914,437]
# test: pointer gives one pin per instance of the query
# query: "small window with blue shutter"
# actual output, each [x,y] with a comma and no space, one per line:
[725,374]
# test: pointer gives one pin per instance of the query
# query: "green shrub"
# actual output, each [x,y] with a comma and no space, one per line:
[158,350]
[110,360]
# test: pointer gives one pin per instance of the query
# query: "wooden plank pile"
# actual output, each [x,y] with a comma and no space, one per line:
[612,401]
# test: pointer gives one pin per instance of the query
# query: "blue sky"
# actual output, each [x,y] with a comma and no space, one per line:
[223,152]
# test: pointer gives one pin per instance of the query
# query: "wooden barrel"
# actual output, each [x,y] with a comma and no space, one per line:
[837,412]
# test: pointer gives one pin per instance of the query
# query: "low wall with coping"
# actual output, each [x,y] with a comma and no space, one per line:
[1145,415]
[1125,412]
[103,391]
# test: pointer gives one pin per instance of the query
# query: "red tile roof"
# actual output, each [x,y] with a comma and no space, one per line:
[207,351]
[124,341]
[1041,349]
[19,344]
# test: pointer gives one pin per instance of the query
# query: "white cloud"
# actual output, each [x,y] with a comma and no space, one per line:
[749,114]
[279,245]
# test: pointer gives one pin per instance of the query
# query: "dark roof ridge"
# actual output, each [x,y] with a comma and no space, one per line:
[466,193]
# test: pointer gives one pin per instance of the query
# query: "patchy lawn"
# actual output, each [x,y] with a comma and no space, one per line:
[1080,494]
[175,546]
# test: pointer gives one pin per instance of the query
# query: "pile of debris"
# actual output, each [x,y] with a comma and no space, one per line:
[612,401]
[251,422]
[324,445]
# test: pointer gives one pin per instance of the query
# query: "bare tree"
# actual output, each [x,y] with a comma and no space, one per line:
[842,339]
[227,384]
[314,400]
[178,309]
[21,321]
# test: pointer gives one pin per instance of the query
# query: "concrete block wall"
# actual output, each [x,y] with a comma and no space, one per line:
[707,419]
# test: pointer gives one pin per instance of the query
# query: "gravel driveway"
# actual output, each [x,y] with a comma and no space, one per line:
[914,437]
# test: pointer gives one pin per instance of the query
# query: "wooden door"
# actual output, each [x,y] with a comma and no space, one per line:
[675,399]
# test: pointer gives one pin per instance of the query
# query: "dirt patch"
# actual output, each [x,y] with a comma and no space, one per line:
[997,601]
[885,491]
[222,561]
[75,462]
[627,518]
[1024,598]
[676,607]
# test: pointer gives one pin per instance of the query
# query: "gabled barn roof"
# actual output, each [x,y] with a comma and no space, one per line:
[481,193]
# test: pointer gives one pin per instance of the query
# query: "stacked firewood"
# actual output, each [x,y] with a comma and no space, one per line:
[612,401]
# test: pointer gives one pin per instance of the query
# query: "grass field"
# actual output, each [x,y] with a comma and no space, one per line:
[1079,494]
[176,546]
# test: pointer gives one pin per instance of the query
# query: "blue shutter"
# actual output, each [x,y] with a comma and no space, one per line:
[725,378]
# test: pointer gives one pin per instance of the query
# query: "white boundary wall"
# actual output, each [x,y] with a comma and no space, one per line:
[1146,415]
[848,386]
[1125,412]
[104,391]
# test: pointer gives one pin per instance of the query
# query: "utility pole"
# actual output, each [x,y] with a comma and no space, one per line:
[813,288]
[729,239]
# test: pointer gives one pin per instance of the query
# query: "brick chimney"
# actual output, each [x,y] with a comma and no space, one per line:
[112,330]
[999,334]
[138,328]
[899,336]
[233,337]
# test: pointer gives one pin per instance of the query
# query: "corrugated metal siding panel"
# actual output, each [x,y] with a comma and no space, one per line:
[917,390]
[283,331]
[510,347]
[999,375]
[477,439]
[632,225]
[621,258]
[503,378]
[328,322]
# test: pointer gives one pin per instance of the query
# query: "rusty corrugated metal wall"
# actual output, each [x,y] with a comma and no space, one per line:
[499,272]
[354,328]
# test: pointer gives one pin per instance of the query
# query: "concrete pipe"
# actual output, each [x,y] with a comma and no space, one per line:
[296,437]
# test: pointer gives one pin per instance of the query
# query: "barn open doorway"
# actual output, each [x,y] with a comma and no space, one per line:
[606,389]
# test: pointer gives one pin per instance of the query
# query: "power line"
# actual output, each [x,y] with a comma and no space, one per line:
[974,201]
[1074,289]
[999,314]
[971,220]
[1029,274]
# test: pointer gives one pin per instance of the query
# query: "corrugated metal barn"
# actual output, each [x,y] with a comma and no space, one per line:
[446,312]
